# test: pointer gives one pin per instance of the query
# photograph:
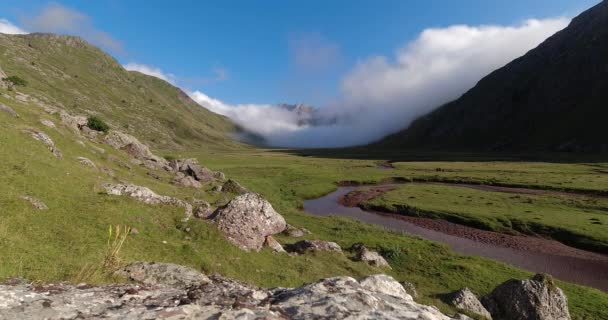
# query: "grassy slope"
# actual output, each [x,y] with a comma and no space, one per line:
[85,80]
[56,244]
[579,221]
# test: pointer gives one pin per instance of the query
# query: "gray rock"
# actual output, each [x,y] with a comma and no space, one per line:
[86,162]
[247,220]
[313,245]
[232,186]
[36,203]
[183,180]
[146,196]
[168,291]
[44,138]
[202,209]
[190,167]
[217,189]
[75,123]
[47,123]
[6,109]
[371,257]
[465,299]
[410,288]
[534,299]
[135,148]
[295,232]
[219,175]
[274,245]
[153,273]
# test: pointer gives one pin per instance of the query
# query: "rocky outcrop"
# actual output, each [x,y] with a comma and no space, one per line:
[136,149]
[465,299]
[48,123]
[371,257]
[146,196]
[167,291]
[183,180]
[247,220]
[274,245]
[232,186]
[75,123]
[531,299]
[295,232]
[36,203]
[44,138]
[191,168]
[313,245]
[8,110]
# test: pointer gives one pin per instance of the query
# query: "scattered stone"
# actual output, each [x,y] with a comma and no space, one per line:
[6,109]
[86,162]
[232,186]
[41,136]
[190,167]
[295,232]
[465,299]
[219,175]
[313,245]
[133,231]
[136,149]
[202,209]
[146,196]
[183,180]
[537,298]
[247,220]
[47,123]
[274,245]
[153,273]
[75,123]
[371,257]
[36,203]
[217,189]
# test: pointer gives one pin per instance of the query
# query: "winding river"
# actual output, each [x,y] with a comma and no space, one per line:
[535,255]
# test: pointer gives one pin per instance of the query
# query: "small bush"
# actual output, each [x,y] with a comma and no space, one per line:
[15,81]
[97,124]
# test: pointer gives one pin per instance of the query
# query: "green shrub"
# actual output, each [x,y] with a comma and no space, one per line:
[97,124]
[15,81]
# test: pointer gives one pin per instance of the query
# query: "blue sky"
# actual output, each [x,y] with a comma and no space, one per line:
[253,41]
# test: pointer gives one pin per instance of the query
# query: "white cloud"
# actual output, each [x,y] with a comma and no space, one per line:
[149,70]
[312,51]
[8,28]
[56,18]
[382,95]
[264,119]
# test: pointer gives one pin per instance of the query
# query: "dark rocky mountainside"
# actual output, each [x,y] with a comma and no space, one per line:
[551,99]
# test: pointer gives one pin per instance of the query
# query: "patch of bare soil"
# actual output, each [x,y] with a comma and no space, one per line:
[354,198]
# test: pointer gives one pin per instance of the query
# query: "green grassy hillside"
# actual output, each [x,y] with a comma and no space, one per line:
[68,72]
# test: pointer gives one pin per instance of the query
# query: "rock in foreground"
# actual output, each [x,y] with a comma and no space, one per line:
[465,299]
[247,220]
[174,292]
[531,299]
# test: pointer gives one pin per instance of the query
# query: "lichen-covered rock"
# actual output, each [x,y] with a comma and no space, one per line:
[75,123]
[247,220]
[273,244]
[385,284]
[346,298]
[6,109]
[153,273]
[313,245]
[465,299]
[531,299]
[232,186]
[168,291]
[36,203]
[146,196]
[190,167]
[371,257]
[44,138]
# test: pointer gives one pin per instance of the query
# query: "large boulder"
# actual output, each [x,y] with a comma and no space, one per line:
[346,298]
[145,195]
[183,180]
[313,245]
[530,299]
[247,220]
[465,299]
